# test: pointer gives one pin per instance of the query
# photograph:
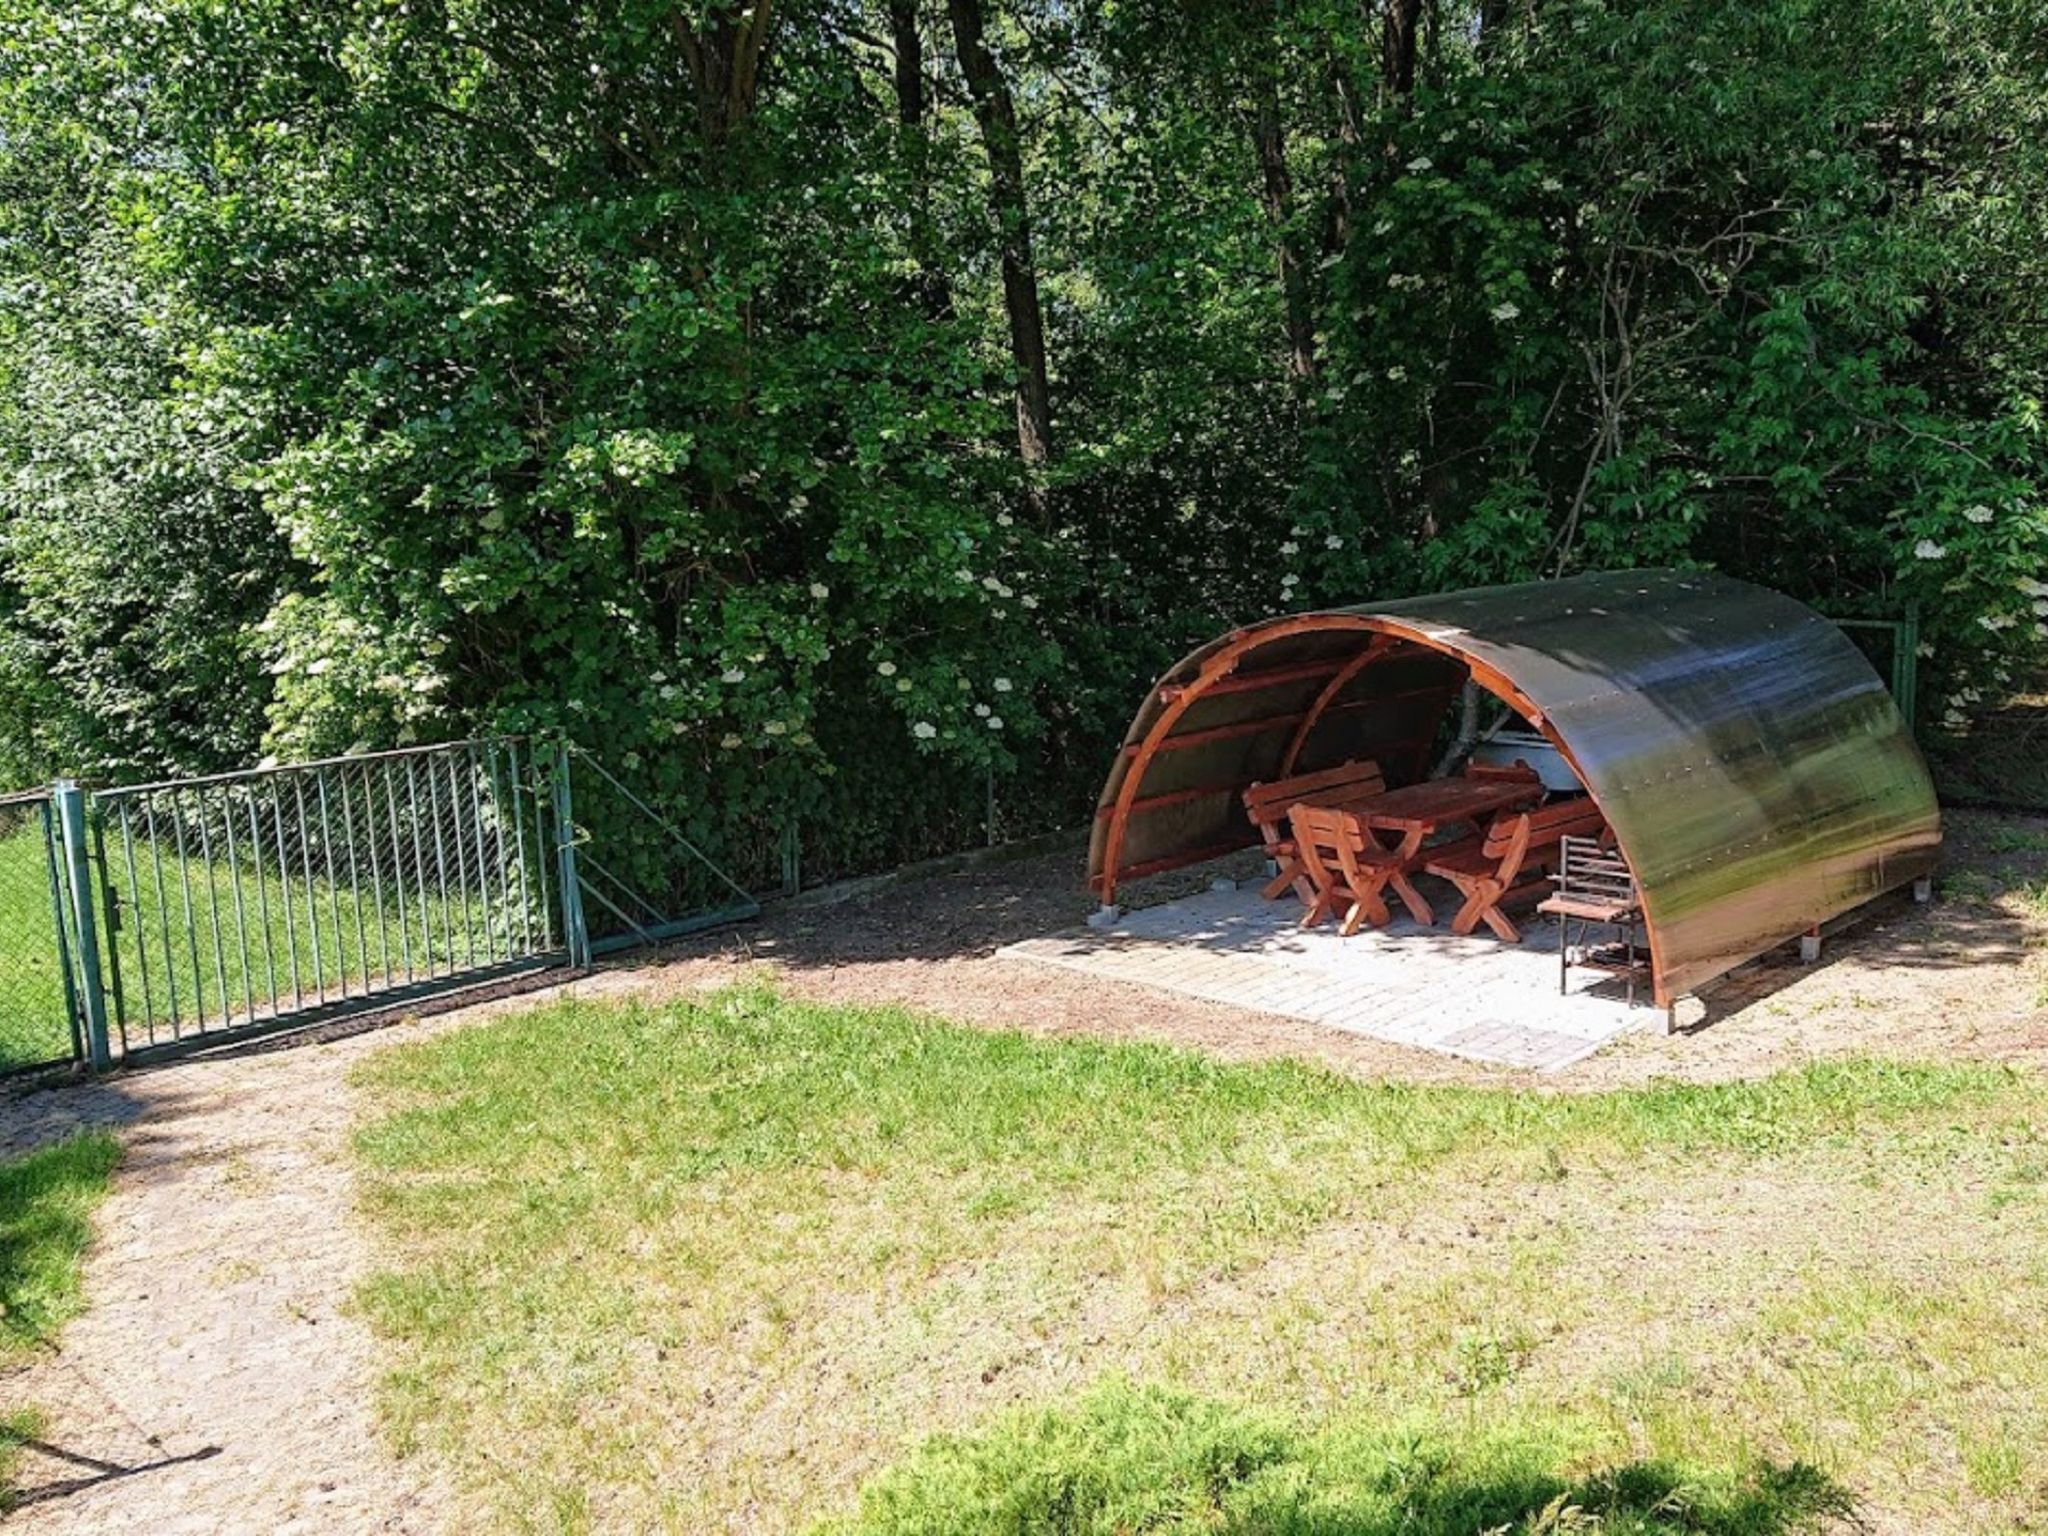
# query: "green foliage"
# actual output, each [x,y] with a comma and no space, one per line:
[1130,1459]
[46,1205]
[376,374]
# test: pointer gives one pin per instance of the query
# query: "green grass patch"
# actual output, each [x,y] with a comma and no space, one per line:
[46,1204]
[33,1024]
[1124,1459]
[714,1263]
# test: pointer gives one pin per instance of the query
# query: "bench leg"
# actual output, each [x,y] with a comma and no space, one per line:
[1368,908]
[1417,905]
[1290,875]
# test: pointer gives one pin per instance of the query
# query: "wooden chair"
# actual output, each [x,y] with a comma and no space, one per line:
[1510,862]
[1595,886]
[1347,868]
[1268,805]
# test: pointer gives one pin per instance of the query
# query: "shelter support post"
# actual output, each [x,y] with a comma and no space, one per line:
[1809,945]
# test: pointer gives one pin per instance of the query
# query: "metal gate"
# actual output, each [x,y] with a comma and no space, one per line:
[181,912]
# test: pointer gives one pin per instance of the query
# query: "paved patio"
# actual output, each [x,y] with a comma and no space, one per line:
[1474,997]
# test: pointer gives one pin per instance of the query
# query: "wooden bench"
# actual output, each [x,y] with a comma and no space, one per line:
[1268,805]
[1346,868]
[1510,862]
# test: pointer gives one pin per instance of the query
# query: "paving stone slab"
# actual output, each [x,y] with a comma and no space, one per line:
[1474,997]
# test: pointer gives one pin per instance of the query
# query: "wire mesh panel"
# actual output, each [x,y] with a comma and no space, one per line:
[254,898]
[38,1013]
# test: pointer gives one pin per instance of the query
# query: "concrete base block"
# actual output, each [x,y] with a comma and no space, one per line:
[1923,889]
[1809,947]
[1104,917]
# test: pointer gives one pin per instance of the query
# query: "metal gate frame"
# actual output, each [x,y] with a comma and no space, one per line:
[98,892]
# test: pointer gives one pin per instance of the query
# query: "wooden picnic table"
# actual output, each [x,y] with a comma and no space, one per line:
[1417,811]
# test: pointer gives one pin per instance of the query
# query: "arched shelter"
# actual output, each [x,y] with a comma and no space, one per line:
[1758,778]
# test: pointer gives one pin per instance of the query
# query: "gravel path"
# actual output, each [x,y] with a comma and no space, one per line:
[217,1381]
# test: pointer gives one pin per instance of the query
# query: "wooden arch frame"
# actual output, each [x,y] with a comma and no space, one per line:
[1390,635]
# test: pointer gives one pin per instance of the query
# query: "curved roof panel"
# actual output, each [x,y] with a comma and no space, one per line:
[1757,776]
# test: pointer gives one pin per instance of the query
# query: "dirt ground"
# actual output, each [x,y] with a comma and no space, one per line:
[219,1380]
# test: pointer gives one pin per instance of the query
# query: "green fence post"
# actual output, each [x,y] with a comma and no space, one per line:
[574,931]
[70,802]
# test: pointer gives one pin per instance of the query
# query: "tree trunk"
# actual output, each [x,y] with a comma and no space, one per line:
[911,105]
[1270,140]
[997,117]
[1397,57]
[725,50]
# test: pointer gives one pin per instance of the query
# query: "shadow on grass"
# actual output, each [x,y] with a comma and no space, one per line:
[1140,1459]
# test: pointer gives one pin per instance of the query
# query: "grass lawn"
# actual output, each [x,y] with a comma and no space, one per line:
[46,1204]
[751,1265]
[33,1025]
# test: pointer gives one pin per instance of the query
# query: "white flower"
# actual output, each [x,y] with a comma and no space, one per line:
[1289,579]
[677,727]
[1290,548]
[1397,373]
[657,677]
[1002,685]
[820,591]
[2033,588]
[1028,601]
[668,690]
[1978,514]
[1996,621]
[991,583]
[2041,605]
[982,710]
[729,741]
[1927,549]
[1506,312]
[1954,718]
[962,684]
[995,722]
[1552,184]
[1420,164]
[1924,651]
[1004,520]
[732,675]
[1383,226]
[775,728]
[887,669]
[963,574]
[903,685]
[1334,541]
[924,730]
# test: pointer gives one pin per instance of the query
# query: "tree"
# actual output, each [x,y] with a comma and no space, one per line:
[997,116]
